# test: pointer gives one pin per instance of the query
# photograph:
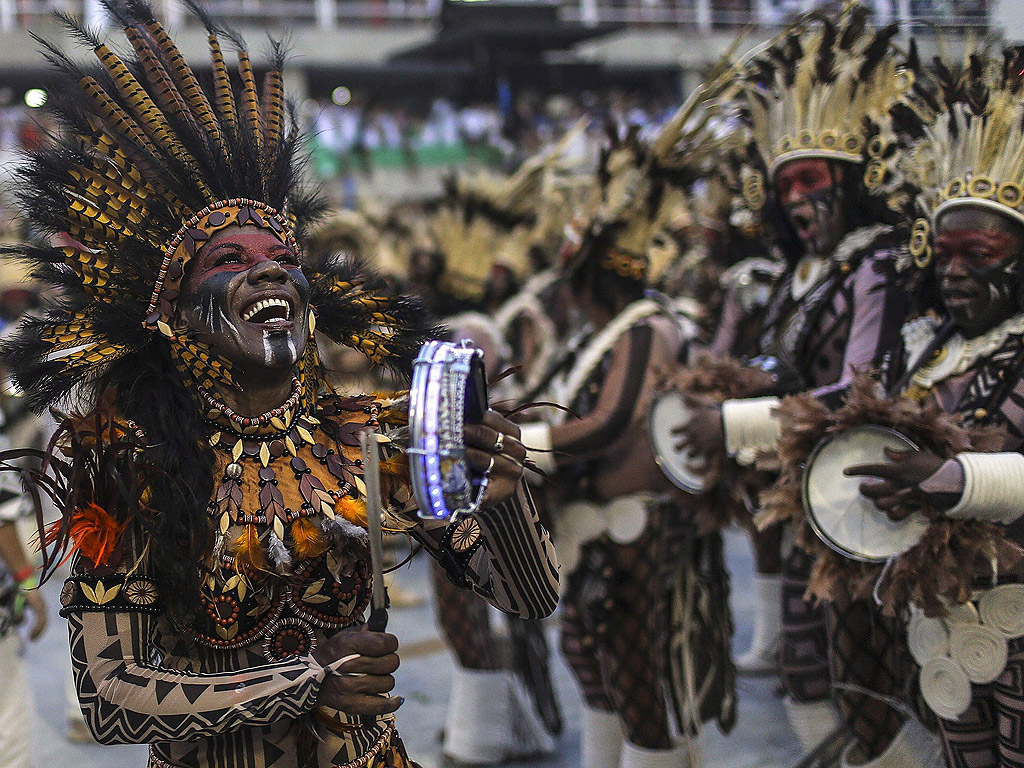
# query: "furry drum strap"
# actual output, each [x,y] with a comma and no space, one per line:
[842,517]
[449,389]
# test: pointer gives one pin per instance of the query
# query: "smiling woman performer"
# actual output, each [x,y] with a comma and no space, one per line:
[213,496]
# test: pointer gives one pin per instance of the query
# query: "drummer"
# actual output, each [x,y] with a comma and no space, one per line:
[969,361]
[836,309]
[616,607]
[502,706]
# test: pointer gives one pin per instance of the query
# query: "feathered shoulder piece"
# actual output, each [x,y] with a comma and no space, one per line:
[95,472]
[353,307]
[828,88]
[146,167]
[973,154]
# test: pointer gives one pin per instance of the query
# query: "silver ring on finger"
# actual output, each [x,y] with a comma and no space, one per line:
[499,444]
[490,466]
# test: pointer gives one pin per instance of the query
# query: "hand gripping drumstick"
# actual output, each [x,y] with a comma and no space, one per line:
[369,440]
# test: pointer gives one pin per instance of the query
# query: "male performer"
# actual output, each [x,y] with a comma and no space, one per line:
[817,102]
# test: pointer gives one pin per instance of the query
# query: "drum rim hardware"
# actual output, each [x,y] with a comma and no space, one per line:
[441,477]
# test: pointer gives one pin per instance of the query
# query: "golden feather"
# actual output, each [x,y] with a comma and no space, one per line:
[250,97]
[223,95]
[187,82]
[272,109]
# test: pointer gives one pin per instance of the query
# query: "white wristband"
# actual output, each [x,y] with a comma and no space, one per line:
[750,424]
[993,487]
[536,438]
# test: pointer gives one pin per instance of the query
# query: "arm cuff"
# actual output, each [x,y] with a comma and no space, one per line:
[750,424]
[993,487]
[536,437]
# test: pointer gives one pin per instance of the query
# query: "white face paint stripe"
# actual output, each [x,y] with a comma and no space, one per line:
[231,326]
[268,355]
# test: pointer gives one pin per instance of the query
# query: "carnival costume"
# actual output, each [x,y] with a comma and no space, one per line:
[970,159]
[502,705]
[212,664]
[827,90]
[640,601]
[959,395]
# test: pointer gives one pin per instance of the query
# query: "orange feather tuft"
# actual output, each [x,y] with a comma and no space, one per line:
[248,551]
[94,531]
[396,465]
[308,540]
[353,510]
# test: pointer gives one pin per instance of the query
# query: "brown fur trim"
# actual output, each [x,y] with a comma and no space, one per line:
[943,565]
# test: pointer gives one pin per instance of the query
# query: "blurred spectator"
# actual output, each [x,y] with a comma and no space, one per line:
[381,134]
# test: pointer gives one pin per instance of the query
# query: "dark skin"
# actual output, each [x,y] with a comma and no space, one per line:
[806,190]
[972,247]
[236,270]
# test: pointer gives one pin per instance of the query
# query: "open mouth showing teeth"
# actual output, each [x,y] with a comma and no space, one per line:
[268,311]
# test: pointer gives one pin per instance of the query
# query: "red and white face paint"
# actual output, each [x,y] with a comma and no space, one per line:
[977,262]
[246,297]
[810,196]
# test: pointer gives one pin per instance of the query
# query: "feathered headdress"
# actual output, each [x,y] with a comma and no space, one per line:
[827,89]
[146,168]
[490,219]
[638,182]
[973,154]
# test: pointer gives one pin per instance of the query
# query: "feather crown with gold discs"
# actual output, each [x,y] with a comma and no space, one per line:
[147,166]
[973,154]
[835,89]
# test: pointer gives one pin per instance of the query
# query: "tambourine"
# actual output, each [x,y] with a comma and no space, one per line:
[449,390]
[841,516]
[682,468]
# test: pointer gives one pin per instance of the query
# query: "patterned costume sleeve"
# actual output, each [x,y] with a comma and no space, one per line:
[128,698]
[877,308]
[595,433]
[502,553]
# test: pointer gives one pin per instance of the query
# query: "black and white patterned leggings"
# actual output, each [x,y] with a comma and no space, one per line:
[850,652]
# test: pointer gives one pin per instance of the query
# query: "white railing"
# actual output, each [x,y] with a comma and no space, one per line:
[703,15]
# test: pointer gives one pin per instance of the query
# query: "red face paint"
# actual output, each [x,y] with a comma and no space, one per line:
[975,262]
[798,179]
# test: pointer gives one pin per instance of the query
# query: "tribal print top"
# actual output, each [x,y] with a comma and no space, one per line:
[844,322]
[235,685]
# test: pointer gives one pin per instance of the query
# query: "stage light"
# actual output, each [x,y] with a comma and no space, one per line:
[35,97]
[341,96]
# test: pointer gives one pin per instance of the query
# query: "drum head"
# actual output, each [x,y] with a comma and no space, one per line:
[681,467]
[842,517]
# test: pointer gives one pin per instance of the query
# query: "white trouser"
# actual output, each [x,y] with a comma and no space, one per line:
[15,706]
